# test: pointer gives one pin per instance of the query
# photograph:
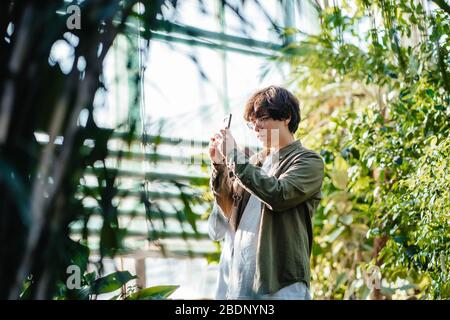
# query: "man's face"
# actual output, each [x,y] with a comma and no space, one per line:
[268,130]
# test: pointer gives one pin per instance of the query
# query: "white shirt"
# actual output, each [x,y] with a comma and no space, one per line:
[219,229]
[243,258]
[238,258]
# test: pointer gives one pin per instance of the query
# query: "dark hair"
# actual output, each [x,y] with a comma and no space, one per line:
[275,102]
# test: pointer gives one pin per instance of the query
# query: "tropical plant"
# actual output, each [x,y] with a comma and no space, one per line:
[40,182]
[50,140]
[375,89]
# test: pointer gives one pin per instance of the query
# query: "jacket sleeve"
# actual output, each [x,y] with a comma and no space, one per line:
[217,224]
[300,182]
[222,188]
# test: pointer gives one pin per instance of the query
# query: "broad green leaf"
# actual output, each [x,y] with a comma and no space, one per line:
[111,282]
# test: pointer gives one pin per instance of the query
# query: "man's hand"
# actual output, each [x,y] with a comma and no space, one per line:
[227,142]
[214,154]
[220,145]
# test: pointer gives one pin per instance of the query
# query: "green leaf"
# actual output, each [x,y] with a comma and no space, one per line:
[387,291]
[90,277]
[333,236]
[112,282]
[429,92]
[340,279]
[346,219]
[339,174]
[80,255]
[400,239]
[398,160]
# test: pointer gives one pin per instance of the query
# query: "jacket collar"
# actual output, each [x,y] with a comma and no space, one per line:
[286,150]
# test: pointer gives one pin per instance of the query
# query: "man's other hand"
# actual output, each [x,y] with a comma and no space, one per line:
[214,154]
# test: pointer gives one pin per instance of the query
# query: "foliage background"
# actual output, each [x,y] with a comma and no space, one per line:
[42,186]
[375,91]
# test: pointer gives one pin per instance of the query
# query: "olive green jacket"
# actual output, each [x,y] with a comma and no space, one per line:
[289,199]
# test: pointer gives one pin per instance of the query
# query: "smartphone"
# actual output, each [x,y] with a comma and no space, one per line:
[227,121]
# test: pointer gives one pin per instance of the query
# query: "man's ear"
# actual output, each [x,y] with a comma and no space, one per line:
[287,121]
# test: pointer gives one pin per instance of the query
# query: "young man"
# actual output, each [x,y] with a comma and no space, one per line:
[266,201]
